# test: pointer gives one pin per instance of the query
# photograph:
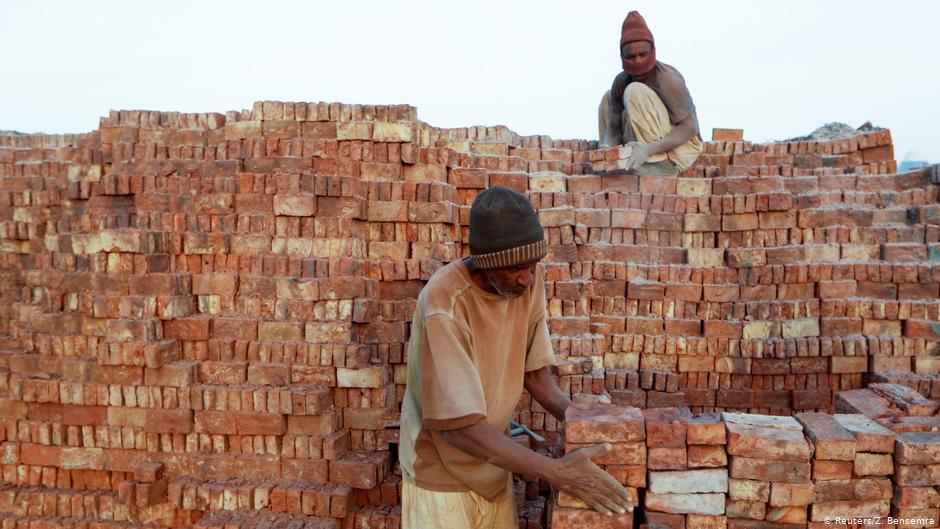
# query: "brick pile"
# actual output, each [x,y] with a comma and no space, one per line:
[810,471]
[229,296]
[770,469]
[916,476]
[623,428]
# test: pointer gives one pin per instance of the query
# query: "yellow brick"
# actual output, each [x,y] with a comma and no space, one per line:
[706,257]
[800,328]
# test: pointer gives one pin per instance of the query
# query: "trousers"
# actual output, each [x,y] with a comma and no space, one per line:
[649,121]
[431,509]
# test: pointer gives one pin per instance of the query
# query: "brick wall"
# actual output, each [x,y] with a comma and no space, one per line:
[202,315]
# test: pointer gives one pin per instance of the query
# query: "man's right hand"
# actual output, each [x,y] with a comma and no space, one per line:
[577,475]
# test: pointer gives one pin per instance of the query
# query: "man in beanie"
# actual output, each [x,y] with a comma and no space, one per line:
[478,336]
[650,106]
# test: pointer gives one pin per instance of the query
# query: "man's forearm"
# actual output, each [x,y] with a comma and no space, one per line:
[486,442]
[681,133]
[542,387]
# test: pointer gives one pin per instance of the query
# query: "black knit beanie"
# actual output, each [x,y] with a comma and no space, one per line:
[504,230]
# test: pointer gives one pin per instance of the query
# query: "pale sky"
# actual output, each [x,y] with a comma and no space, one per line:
[774,69]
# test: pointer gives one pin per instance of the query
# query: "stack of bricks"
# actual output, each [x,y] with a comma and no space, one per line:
[847,482]
[688,474]
[916,476]
[591,424]
[770,471]
[230,295]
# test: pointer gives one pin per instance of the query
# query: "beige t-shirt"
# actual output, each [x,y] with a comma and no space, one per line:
[468,353]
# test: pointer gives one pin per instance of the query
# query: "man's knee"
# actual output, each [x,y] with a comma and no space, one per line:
[638,93]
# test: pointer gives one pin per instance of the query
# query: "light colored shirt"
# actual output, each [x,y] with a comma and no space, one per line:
[467,356]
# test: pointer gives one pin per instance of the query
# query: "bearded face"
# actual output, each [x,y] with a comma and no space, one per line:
[512,281]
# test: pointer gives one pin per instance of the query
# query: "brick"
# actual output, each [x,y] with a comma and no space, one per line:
[148,472]
[666,458]
[917,448]
[313,425]
[628,475]
[867,464]
[383,131]
[746,510]
[665,520]
[424,173]
[849,364]
[776,220]
[800,328]
[720,293]
[791,494]
[812,399]
[917,498]
[844,288]
[763,421]
[881,328]
[694,187]
[360,471]
[739,222]
[645,290]
[729,135]
[568,518]
[746,257]
[869,435]
[840,326]
[632,453]
[304,205]
[186,329]
[706,257]
[922,329]
[853,489]
[865,402]
[705,429]
[769,470]
[370,377]
[749,490]
[627,218]
[707,456]
[820,511]
[664,428]
[709,504]
[704,521]
[767,443]
[598,423]
[688,481]
[702,222]
[830,439]
[787,515]
[723,329]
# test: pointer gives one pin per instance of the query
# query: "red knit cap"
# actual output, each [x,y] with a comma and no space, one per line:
[634,29]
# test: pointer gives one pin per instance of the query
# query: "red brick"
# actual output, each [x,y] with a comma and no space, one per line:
[186,329]
[664,428]
[727,134]
[569,518]
[723,329]
[845,288]
[645,290]
[598,423]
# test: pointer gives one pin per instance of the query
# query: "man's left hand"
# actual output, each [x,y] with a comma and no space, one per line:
[641,152]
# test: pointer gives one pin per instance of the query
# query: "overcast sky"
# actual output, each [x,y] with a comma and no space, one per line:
[775,69]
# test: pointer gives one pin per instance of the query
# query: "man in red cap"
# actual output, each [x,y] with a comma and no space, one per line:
[650,106]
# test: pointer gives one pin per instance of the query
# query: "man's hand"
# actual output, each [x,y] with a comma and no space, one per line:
[577,475]
[641,152]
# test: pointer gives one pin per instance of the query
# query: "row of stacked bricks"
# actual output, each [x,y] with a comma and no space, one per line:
[229,295]
[811,471]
